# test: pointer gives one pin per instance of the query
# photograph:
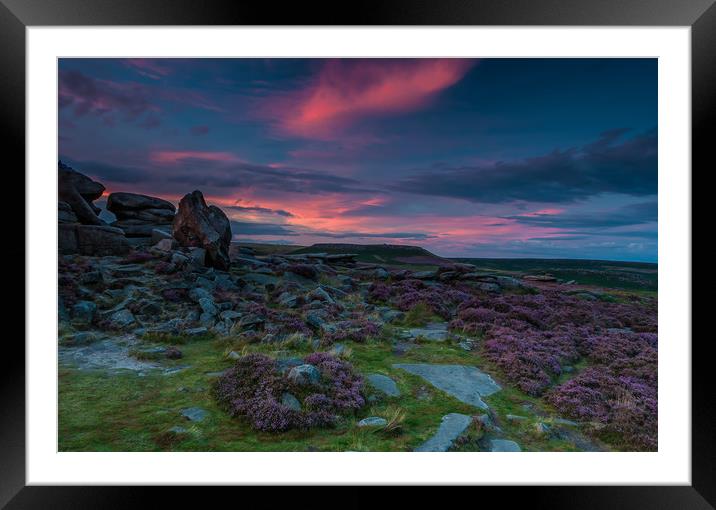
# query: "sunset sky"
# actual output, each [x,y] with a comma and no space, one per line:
[552,158]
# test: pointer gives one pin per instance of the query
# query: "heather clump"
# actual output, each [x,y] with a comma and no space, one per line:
[406,294]
[254,389]
[617,394]
[353,330]
[622,409]
[531,336]
[531,359]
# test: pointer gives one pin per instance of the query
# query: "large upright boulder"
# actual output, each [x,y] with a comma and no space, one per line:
[79,191]
[138,215]
[202,226]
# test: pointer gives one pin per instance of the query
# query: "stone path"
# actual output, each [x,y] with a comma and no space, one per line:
[451,427]
[467,384]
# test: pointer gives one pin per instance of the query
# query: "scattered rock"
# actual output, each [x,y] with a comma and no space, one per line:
[504,445]
[515,417]
[201,226]
[173,353]
[562,421]
[121,319]
[230,315]
[159,234]
[165,245]
[207,305]
[540,278]
[83,312]
[372,421]
[290,401]
[196,414]
[91,277]
[425,275]
[542,429]
[196,331]
[304,374]
[435,332]
[488,422]
[466,345]
[487,286]
[80,338]
[197,256]
[384,384]
[320,294]
[467,384]
[451,427]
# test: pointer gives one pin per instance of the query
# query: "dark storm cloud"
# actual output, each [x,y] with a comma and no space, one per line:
[632,214]
[104,98]
[112,173]
[608,165]
[260,229]
[193,173]
[278,179]
[264,210]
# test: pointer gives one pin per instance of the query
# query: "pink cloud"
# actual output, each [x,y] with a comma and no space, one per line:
[347,90]
[544,212]
[172,157]
[149,68]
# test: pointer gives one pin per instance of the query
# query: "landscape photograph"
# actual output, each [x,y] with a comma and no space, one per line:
[357,255]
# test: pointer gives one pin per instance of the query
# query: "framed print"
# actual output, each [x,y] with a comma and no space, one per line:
[439,246]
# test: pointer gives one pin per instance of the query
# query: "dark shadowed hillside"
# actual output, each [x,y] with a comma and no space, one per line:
[380,253]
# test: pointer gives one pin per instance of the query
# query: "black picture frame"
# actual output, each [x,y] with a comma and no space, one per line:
[17,15]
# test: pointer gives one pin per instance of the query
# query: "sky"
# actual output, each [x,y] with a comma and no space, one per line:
[548,158]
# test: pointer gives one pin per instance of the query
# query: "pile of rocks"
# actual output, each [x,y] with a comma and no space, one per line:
[80,230]
[203,231]
[139,215]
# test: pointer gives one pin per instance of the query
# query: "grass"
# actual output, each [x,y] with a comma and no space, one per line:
[418,316]
[125,412]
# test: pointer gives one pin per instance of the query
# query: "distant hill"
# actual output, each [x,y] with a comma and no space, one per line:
[604,273]
[393,254]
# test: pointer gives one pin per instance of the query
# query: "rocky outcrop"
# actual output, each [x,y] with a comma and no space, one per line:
[95,240]
[138,215]
[65,214]
[78,191]
[202,226]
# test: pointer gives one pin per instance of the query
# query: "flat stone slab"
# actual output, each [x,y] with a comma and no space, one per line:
[467,384]
[451,427]
[106,354]
[504,445]
[435,332]
[384,384]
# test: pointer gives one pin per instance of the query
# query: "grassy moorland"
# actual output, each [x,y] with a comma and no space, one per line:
[170,357]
